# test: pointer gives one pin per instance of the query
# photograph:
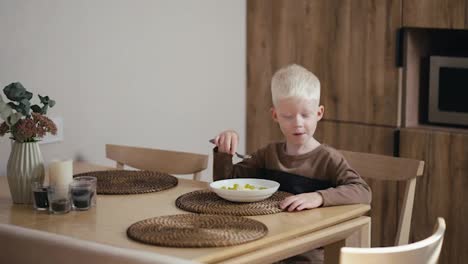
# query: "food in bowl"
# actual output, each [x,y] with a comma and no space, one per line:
[244,189]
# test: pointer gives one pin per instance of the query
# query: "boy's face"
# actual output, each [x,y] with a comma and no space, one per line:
[297,118]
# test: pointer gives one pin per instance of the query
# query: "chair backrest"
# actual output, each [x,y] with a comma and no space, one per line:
[426,251]
[23,245]
[172,162]
[381,167]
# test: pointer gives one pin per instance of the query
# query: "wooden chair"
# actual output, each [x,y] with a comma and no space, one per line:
[382,167]
[425,251]
[172,162]
[23,245]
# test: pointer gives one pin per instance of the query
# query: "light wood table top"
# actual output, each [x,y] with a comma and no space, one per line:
[288,233]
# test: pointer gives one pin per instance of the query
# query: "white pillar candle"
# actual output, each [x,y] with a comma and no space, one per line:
[61,173]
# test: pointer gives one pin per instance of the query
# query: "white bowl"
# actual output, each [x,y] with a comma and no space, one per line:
[245,195]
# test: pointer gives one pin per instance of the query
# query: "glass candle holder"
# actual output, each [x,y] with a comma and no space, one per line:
[81,194]
[59,199]
[90,180]
[40,199]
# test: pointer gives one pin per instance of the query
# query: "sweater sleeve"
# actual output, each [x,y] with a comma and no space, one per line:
[350,187]
[223,168]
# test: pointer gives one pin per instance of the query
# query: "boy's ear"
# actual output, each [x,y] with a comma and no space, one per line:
[320,112]
[274,115]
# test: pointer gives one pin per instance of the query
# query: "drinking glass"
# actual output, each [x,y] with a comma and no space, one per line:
[81,194]
[40,200]
[90,180]
[59,199]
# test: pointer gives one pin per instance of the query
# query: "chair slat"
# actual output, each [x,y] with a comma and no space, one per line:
[380,167]
[172,162]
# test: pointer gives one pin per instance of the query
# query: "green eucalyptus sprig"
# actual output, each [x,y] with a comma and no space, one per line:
[7,114]
[25,122]
[20,100]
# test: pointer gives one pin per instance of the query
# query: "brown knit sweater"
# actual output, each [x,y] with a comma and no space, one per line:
[323,163]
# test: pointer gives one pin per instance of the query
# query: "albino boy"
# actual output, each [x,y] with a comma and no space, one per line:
[296,93]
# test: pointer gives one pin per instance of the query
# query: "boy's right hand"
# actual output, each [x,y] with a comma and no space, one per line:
[227,141]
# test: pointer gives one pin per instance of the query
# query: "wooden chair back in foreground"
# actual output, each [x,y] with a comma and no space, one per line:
[172,162]
[380,167]
[23,245]
[425,251]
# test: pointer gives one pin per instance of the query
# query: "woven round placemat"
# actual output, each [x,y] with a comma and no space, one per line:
[131,182]
[193,230]
[207,202]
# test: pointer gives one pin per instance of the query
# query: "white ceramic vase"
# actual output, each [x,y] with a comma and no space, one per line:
[25,166]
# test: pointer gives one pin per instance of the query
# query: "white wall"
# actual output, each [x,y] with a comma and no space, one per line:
[168,74]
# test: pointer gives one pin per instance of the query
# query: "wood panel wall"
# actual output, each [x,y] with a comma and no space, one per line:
[260,127]
[349,45]
[435,13]
[442,191]
[356,137]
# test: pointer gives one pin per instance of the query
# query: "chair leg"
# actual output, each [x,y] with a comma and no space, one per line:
[404,224]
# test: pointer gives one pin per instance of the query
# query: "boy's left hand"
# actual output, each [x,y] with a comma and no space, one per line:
[302,201]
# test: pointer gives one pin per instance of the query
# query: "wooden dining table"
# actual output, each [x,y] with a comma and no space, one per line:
[289,233]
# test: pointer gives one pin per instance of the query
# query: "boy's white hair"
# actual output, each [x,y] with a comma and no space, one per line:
[294,81]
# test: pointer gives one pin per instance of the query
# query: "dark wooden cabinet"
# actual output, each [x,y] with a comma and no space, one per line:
[451,14]
[442,191]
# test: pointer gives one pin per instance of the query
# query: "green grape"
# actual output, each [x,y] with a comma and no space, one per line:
[248,186]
